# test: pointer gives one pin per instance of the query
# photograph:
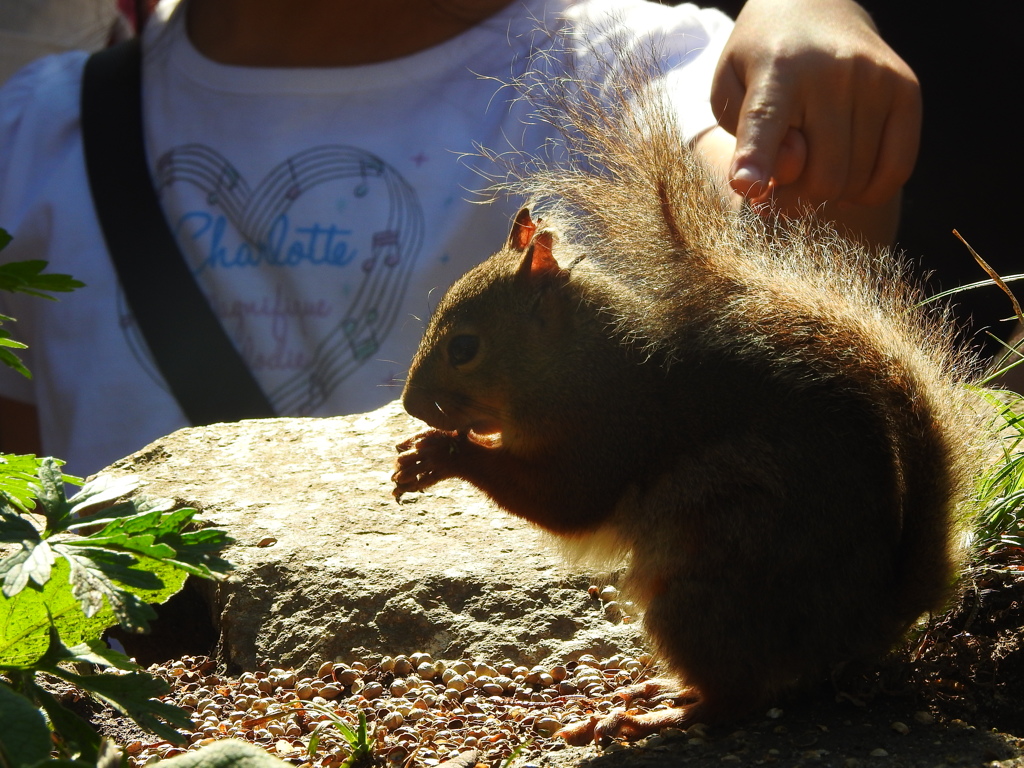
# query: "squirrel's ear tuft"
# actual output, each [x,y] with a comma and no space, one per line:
[523,230]
[539,262]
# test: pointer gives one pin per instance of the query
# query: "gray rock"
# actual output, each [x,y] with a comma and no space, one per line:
[330,568]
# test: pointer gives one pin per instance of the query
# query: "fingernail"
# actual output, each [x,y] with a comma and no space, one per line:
[749,174]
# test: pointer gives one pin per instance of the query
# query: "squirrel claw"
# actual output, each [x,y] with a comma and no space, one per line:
[408,443]
[401,487]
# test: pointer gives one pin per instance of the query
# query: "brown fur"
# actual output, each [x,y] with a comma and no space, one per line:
[765,421]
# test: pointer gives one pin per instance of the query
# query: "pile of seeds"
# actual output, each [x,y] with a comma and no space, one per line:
[419,712]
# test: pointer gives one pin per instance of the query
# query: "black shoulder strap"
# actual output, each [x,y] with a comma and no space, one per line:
[208,377]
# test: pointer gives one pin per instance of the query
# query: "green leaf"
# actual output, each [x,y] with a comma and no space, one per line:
[49,490]
[102,490]
[15,528]
[92,652]
[138,556]
[25,736]
[27,277]
[143,532]
[11,360]
[98,519]
[91,577]
[102,655]
[32,562]
[83,609]
[25,620]
[134,695]
[197,553]
[156,533]
[19,476]
[147,580]
[78,736]
[145,545]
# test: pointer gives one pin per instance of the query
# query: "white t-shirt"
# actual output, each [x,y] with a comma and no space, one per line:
[322,211]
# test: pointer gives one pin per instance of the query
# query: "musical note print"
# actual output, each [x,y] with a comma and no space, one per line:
[375,167]
[227,180]
[386,243]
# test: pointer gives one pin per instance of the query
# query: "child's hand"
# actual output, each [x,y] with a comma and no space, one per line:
[819,104]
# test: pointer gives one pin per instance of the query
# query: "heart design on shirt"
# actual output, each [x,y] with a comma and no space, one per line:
[255,212]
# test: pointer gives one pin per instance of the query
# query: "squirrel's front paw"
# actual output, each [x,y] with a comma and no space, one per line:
[423,460]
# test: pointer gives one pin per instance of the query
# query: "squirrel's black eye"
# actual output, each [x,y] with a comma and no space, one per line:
[462,349]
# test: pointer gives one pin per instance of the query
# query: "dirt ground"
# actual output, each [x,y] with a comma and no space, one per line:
[954,697]
[970,663]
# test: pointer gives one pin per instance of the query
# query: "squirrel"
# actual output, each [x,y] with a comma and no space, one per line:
[761,416]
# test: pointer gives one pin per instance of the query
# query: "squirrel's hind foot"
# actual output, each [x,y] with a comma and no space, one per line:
[621,724]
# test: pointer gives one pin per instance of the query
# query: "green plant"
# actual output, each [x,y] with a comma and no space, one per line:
[87,565]
[1000,495]
[26,277]
[359,739]
[360,742]
[998,523]
[70,569]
